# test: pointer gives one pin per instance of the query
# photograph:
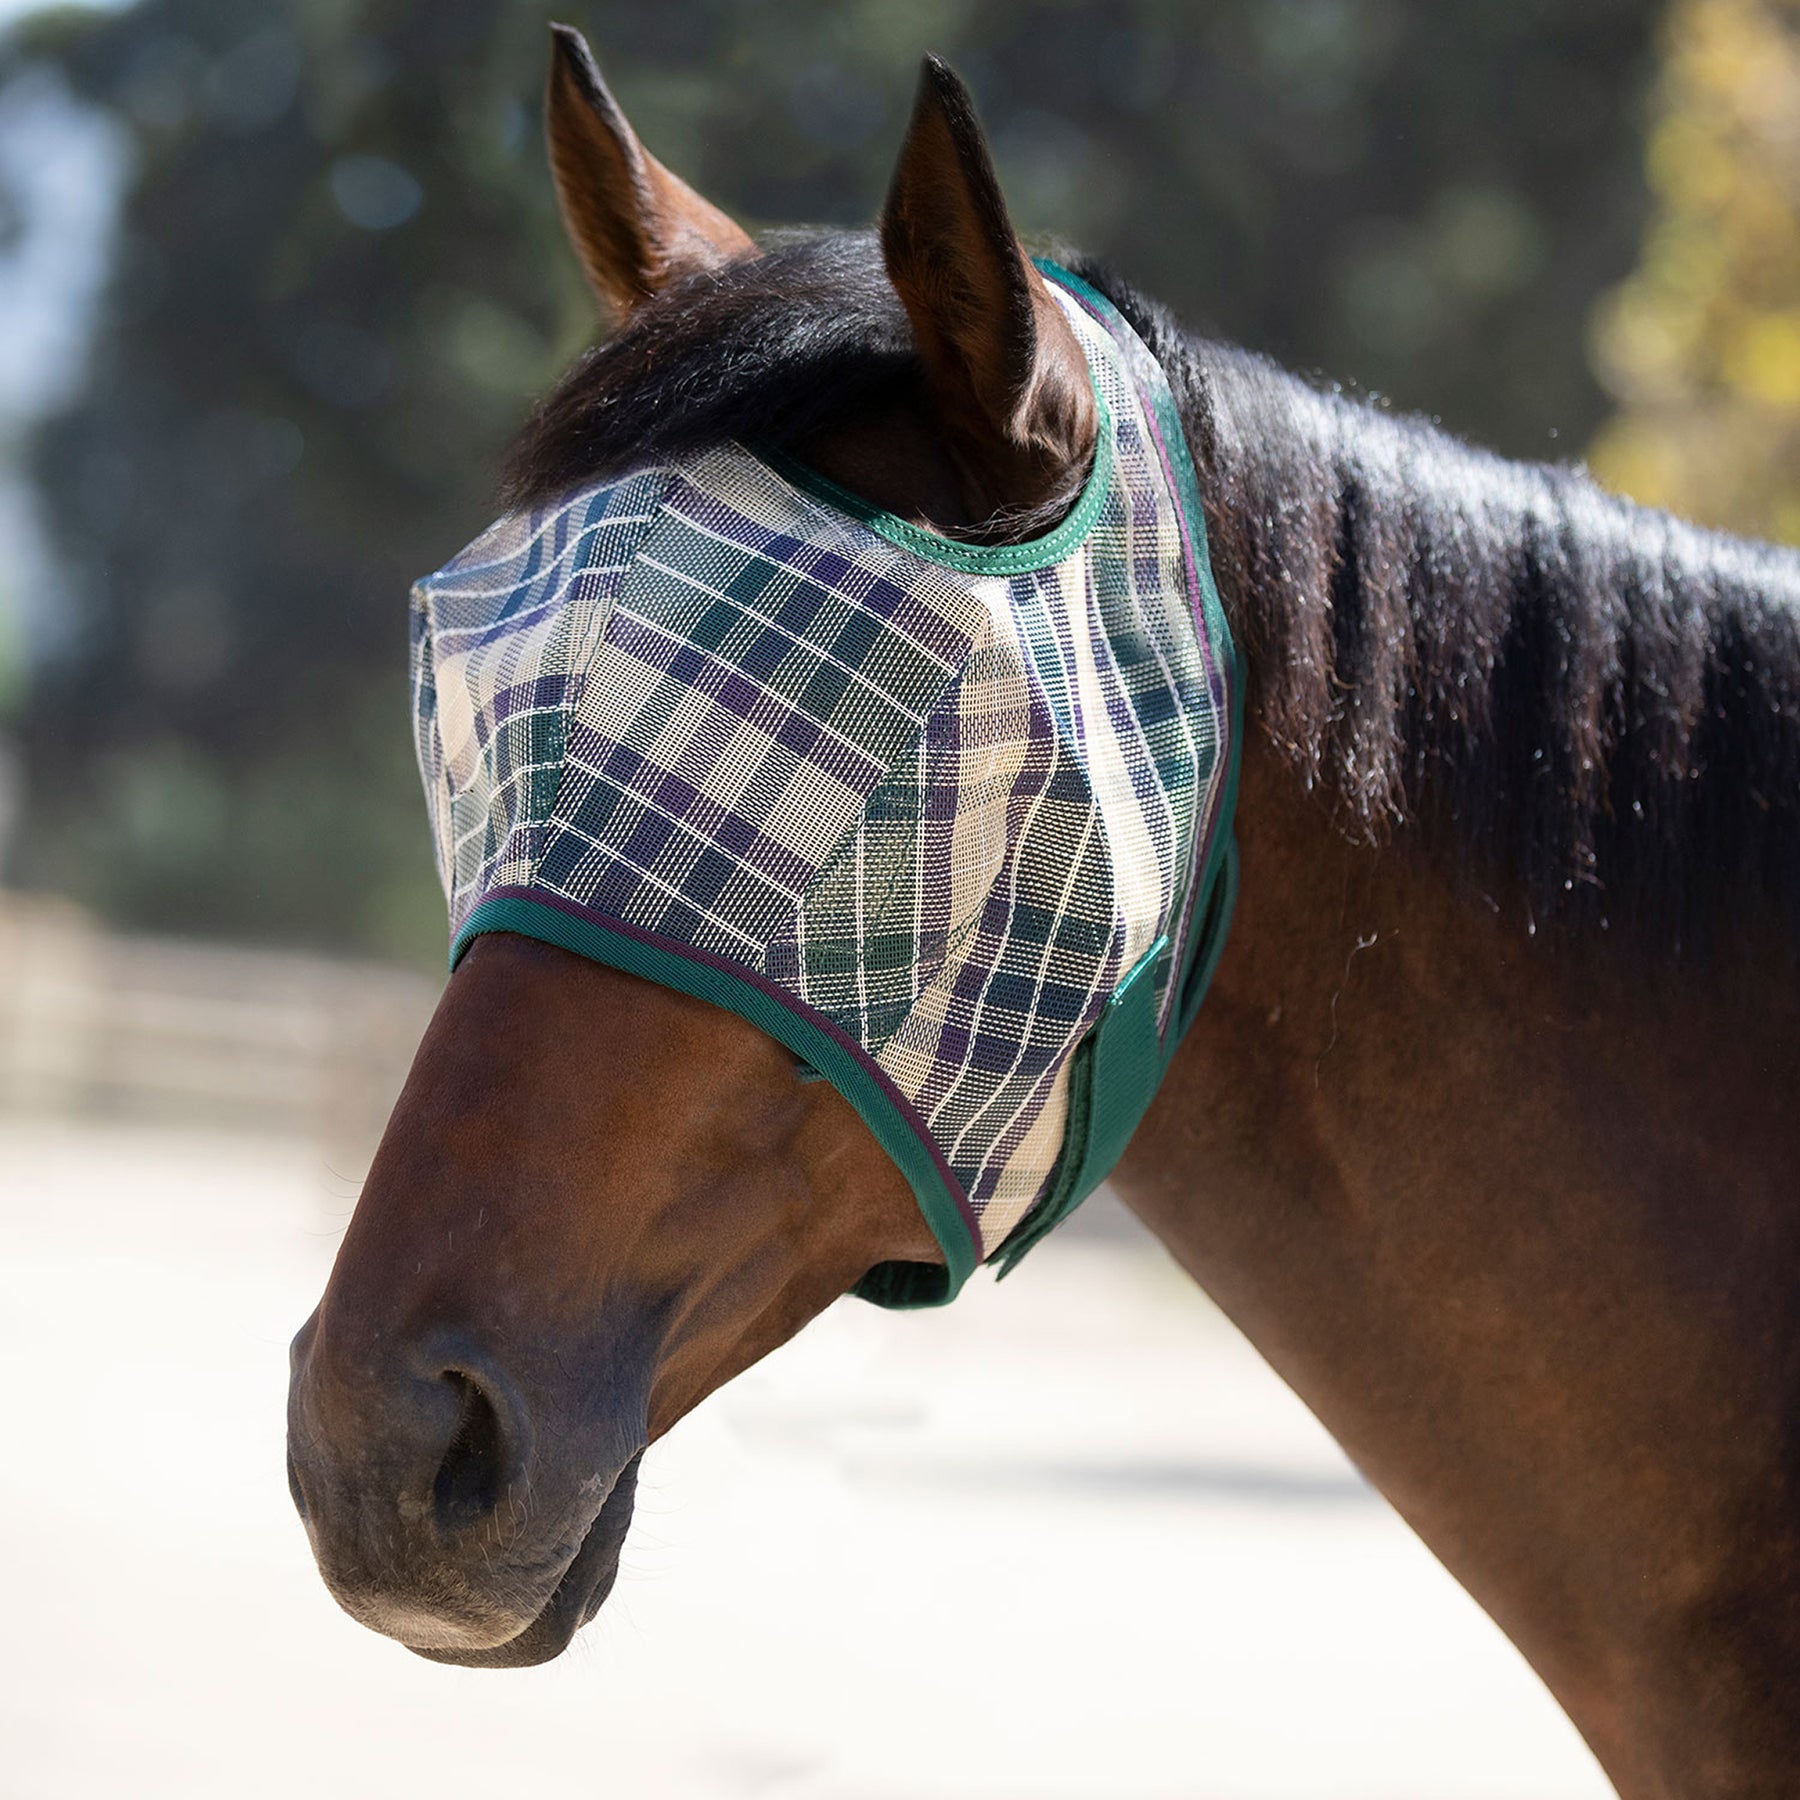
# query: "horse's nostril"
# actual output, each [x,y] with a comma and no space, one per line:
[468,1480]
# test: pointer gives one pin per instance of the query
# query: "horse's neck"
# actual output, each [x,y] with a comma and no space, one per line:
[1606,691]
[1518,1223]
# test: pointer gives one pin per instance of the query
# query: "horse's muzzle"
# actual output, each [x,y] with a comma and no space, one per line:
[445,1510]
[574,1601]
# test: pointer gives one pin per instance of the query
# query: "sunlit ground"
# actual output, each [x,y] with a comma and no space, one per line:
[1068,1538]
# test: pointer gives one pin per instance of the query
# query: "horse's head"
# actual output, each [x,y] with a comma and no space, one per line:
[599,1198]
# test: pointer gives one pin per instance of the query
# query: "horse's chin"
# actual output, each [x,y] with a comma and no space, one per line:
[577,1597]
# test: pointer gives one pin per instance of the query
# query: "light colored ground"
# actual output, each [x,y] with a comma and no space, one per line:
[1068,1538]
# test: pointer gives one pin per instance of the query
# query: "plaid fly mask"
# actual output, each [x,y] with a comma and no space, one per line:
[952,822]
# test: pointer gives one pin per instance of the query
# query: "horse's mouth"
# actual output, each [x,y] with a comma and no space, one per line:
[578,1596]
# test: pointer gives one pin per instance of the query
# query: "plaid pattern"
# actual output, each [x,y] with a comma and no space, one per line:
[948,807]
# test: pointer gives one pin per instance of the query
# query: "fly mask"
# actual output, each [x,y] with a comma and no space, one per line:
[951,822]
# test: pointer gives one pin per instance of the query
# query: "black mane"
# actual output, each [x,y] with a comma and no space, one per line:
[1597,697]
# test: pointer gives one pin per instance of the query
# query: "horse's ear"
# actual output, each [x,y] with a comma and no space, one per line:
[635,226]
[1002,364]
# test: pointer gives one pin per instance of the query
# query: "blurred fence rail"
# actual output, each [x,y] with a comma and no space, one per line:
[94,1024]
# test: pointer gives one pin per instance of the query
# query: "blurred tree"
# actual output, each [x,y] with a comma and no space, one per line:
[1702,344]
[337,285]
[329,295]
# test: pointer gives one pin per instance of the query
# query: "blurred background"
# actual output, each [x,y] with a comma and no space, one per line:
[276,284]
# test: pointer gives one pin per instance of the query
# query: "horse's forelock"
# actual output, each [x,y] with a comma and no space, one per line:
[770,349]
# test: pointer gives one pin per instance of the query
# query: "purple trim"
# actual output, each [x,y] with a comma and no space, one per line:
[799,1008]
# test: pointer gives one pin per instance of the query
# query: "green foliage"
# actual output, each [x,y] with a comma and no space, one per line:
[340,283]
[1702,344]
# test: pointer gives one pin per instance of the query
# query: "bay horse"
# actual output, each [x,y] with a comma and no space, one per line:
[1484,1137]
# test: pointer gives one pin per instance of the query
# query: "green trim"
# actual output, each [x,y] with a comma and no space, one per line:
[973,559]
[899,1284]
[1208,944]
[1116,1071]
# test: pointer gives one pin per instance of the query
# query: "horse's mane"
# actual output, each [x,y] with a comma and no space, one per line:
[1599,697]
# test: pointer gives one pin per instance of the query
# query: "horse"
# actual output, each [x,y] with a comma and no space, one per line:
[1482,1137]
